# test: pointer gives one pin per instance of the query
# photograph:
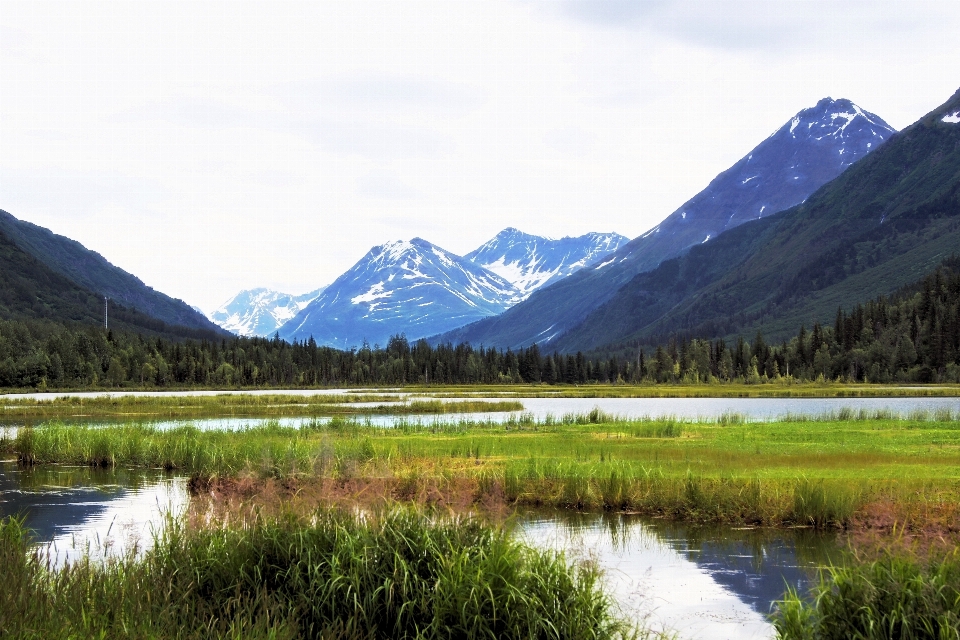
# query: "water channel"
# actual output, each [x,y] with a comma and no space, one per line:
[695,581]
[74,511]
[627,408]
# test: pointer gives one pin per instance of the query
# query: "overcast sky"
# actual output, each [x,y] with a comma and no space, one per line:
[208,147]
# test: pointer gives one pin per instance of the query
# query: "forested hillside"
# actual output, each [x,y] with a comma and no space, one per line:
[808,151]
[31,291]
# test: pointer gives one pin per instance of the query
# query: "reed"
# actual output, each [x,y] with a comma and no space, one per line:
[895,596]
[821,504]
[399,573]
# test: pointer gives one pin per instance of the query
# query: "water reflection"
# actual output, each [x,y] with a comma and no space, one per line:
[702,582]
[77,510]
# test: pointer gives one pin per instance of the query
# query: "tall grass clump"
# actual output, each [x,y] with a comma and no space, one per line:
[401,573]
[731,418]
[662,428]
[823,505]
[464,406]
[893,597]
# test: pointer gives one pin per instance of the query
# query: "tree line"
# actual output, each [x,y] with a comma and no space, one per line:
[914,336]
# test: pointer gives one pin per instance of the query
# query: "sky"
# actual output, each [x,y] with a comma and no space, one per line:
[209,147]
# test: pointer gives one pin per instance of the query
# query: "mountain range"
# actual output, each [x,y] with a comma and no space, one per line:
[417,299]
[809,150]
[832,209]
[411,287]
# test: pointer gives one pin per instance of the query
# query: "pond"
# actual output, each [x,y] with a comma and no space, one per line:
[702,582]
[76,510]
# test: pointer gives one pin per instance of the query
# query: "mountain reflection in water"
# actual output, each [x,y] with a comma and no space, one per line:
[696,581]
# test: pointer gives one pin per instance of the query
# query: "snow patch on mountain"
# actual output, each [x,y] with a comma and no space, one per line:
[530,262]
[952,118]
[375,292]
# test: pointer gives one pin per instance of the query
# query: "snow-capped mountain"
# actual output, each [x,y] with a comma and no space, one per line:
[814,147]
[530,262]
[811,149]
[411,287]
[260,312]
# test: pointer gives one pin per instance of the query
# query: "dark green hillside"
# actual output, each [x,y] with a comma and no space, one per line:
[29,291]
[784,170]
[887,220]
[94,273]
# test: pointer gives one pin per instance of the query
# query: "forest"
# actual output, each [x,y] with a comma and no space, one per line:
[912,336]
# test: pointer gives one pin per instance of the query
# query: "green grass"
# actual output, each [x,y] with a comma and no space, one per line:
[397,574]
[816,472]
[236,405]
[892,597]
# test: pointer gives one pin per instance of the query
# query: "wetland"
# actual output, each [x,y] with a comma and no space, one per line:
[734,503]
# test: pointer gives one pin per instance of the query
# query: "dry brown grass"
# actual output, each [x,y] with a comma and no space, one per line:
[224,496]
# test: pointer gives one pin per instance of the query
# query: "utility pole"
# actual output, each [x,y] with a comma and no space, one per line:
[105,313]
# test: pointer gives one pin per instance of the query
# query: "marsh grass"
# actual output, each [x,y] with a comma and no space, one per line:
[896,596]
[822,504]
[399,573]
[868,470]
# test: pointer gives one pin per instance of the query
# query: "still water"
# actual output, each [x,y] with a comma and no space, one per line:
[698,582]
[541,408]
[78,510]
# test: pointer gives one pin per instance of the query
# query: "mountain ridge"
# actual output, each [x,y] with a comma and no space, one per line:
[871,228]
[558,308]
[531,262]
[260,312]
[91,271]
